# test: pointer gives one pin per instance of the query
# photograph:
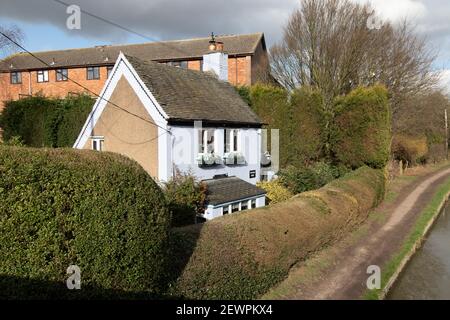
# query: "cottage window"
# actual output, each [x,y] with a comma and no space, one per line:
[93,73]
[253,203]
[42,76]
[235,207]
[244,205]
[231,140]
[16,77]
[206,141]
[226,210]
[62,74]
[97,143]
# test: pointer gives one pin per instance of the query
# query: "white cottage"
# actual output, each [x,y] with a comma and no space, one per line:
[168,119]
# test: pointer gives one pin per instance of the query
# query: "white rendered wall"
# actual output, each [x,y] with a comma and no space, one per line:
[184,150]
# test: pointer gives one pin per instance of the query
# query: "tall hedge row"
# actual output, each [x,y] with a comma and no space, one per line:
[362,128]
[357,129]
[241,256]
[45,122]
[99,211]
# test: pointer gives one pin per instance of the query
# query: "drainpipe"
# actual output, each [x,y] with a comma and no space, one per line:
[30,90]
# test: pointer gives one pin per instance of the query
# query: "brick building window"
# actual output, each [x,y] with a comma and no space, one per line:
[108,70]
[93,73]
[16,77]
[62,74]
[42,76]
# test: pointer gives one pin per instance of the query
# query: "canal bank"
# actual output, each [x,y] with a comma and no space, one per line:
[427,274]
[340,271]
[414,242]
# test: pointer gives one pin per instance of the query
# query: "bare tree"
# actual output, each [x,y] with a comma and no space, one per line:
[329,44]
[6,46]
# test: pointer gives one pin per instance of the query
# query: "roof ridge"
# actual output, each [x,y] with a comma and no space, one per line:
[133,44]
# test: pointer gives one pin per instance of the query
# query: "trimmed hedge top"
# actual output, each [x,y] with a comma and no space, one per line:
[99,211]
[243,255]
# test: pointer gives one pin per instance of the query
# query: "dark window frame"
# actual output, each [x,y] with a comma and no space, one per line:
[64,77]
[91,71]
[43,72]
[16,77]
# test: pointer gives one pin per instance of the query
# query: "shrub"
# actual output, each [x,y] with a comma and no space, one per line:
[315,176]
[99,211]
[241,256]
[409,149]
[45,122]
[276,192]
[185,198]
[13,142]
[362,128]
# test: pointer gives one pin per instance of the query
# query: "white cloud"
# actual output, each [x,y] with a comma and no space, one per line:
[397,10]
[445,80]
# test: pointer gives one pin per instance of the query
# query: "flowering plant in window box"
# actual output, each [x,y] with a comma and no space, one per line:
[208,159]
[233,158]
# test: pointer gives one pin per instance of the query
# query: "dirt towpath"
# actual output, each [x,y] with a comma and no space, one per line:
[340,272]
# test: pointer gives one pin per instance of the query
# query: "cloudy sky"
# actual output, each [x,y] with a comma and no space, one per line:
[44,21]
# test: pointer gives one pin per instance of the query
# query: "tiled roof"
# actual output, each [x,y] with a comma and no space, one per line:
[153,51]
[226,190]
[189,95]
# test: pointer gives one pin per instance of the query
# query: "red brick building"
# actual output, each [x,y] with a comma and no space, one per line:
[23,75]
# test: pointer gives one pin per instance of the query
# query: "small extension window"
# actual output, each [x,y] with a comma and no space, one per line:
[97,143]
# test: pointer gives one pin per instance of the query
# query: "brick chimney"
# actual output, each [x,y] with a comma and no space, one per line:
[216,60]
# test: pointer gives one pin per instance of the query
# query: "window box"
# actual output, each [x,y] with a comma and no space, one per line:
[234,158]
[208,159]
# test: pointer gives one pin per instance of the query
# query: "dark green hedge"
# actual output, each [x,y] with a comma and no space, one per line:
[357,129]
[362,128]
[100,211]
[45,122]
